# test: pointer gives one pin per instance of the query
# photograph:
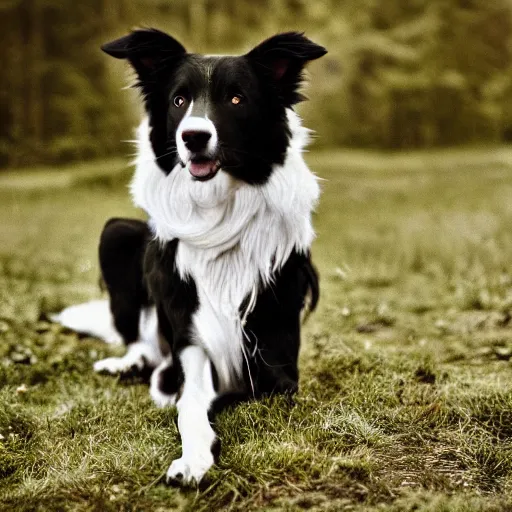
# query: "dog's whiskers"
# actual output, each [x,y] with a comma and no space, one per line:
[172,152]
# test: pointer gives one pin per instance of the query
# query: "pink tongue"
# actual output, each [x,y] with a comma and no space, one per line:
[201,169]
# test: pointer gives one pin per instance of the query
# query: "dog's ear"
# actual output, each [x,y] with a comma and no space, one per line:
[282,58]
[148,51]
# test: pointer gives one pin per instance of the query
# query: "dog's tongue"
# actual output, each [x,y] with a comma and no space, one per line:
[202,169]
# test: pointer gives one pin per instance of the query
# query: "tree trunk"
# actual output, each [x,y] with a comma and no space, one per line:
[34,55]
[198,24]
[15,61]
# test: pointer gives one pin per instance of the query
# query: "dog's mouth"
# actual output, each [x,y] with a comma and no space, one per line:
[203,169]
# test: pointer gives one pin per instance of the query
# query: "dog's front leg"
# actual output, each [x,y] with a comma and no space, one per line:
[199,442]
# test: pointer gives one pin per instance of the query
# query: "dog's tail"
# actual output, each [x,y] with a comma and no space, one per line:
[312,289]
[92,318]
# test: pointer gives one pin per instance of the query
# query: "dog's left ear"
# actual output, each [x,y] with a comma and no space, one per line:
[149,51]
[282,58]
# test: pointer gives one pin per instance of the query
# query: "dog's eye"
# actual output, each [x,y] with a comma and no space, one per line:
[178,101]
[237,99]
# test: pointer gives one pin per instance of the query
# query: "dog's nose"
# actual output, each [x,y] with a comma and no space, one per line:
[196,140]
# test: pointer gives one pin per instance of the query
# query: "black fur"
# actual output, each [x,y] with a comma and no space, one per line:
[121,253]
[273,329]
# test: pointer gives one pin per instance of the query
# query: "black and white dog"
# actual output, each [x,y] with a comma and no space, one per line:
[210,291]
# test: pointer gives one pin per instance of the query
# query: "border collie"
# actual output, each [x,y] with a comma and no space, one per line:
[208,293]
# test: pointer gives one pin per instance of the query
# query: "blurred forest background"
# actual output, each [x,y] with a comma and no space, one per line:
[399,73]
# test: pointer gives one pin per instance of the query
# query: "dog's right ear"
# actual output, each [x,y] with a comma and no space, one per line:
[282,58]
[148,51]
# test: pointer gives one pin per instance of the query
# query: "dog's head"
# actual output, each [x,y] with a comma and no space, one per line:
[211,113]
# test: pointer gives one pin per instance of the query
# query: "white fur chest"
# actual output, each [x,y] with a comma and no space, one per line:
[222,282]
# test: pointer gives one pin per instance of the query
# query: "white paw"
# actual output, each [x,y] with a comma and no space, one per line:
[138,356]
[189,471]
[117,365]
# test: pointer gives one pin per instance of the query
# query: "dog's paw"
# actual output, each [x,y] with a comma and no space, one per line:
[188,471]
[119,365]
[138,357]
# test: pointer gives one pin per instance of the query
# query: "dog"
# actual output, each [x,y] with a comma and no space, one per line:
[208,294]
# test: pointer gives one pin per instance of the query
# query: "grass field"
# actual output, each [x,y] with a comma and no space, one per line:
[406,388]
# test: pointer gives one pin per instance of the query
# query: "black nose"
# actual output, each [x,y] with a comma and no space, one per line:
[195,141]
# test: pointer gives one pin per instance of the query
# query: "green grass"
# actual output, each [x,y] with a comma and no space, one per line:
[406,388]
